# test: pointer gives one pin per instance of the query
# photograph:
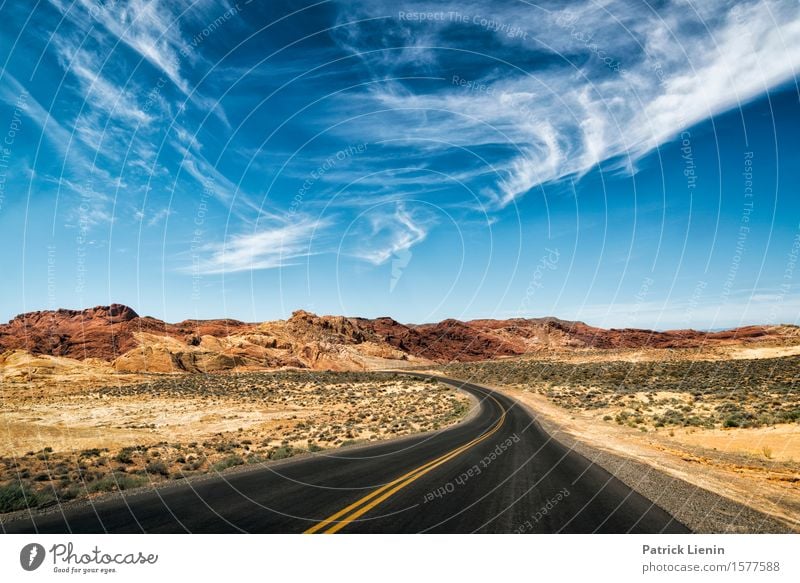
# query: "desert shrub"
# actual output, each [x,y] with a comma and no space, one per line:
[792,416]
[622,417]
[732,422]
[69,493]
[281,453]
[672,417]
[742,419]
[159,468]
[228,462]
[115,482]
[124,456]
[191,465]
[695,421]
[254,458]
[17,496]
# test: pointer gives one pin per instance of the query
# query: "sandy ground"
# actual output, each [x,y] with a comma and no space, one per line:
[91,422]
[729,462]
[779,443]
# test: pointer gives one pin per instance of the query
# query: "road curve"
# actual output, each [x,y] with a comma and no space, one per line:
[496,472]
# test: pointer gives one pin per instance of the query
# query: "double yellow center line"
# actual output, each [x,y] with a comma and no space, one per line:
[339,520]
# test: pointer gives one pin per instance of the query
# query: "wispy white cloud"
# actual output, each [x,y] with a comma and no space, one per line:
[148,27]
[621,78]
[154,30]
[118,100]
[214,182]
[99,91]
[10,92]
[389,233]
[154,218]
[86,206]
[268,247]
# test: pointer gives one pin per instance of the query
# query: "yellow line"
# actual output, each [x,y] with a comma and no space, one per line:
[375,493]
[371,495]
[398,484]
[364,509]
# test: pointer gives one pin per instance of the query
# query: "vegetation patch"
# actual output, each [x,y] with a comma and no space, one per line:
[652,395]
[228,462]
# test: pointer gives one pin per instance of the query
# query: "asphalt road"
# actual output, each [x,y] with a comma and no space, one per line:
[496,472]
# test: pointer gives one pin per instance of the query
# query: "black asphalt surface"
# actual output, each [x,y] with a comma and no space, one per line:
[513,478]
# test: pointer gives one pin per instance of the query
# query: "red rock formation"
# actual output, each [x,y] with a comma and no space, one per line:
[102,332]
[444,341]
[305,339]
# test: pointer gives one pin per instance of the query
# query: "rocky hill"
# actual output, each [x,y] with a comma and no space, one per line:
[117,335]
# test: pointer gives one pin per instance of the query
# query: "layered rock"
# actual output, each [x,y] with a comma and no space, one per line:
[116,334]
[104,332]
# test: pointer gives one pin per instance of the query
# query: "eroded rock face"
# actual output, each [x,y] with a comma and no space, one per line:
[104,332]
[117,334]
[98,332]
[445,341]
[147,359]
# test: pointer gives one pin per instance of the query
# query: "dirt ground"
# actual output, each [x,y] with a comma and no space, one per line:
[780,443]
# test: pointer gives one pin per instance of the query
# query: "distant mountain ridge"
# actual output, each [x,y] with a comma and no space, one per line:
[132,343]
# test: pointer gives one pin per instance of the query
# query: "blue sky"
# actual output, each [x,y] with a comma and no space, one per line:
[620,163]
